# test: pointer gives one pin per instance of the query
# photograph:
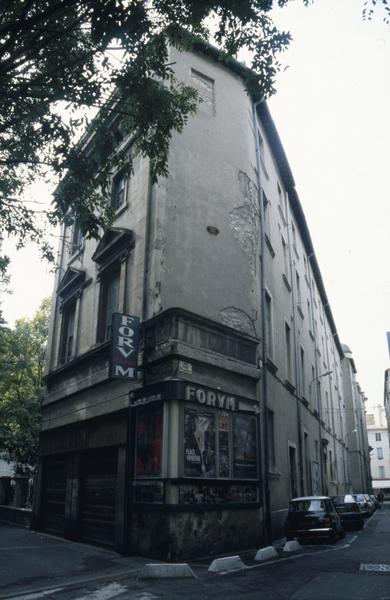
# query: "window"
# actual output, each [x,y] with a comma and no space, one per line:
[378,437]
[293,472]
[303,374]
[282,201]
[205,88]
[305,266]
[310,318]
[298,281]
[109,302]
[118,196]
[266,207]
[381,472]
[327,418]
[287,333]
[268,324]
[331,466]
[262,152]
[294,235]
[218,444]
[307,463]
[285,259]
[67,333]
[379,453]
[316,452]
[271,437]
[77,239]
[148,437]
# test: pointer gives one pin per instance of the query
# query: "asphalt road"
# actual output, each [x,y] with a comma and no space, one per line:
[35,566]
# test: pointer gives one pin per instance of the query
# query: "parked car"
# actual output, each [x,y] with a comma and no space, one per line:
[365,503]
[313,517]
[375,501]
[349,511]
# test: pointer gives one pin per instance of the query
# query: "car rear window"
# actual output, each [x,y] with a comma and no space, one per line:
[307,505]
[359,497]
[339,499]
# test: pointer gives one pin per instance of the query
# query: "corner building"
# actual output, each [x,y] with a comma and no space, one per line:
[238,403]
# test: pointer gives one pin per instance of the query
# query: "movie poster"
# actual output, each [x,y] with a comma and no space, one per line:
[244,447]
[223,445]
[199,444]
[148,442]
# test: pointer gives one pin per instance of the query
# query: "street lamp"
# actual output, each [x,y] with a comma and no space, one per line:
[316,378]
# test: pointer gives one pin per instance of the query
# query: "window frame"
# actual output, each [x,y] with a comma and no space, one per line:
[119,177]
[67,349]
[107,277]
[192,409]
[288,351]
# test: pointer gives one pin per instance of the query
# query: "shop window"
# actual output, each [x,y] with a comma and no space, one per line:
[219,445]
[109,302]
[148,438]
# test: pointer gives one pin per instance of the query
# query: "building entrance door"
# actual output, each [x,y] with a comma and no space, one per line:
[54,494]
[98,490]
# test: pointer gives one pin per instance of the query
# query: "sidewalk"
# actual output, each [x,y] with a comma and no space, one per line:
[32,561]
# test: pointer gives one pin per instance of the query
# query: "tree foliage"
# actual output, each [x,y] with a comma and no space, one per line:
[58,57]
[21,365]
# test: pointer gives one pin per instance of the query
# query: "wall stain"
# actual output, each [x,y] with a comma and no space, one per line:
[237,319]
[244,220]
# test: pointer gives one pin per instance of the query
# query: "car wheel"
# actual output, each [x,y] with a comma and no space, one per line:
[342,533]
[333,537]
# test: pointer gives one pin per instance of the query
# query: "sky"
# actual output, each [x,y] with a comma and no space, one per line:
[332,113]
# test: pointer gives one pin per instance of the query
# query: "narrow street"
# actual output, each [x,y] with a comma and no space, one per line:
[356,568]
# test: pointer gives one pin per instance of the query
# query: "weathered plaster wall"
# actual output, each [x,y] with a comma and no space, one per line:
[183,535]
[214,271]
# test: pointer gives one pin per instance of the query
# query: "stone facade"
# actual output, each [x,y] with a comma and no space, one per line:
[239,402]
[379,441]
[359,473]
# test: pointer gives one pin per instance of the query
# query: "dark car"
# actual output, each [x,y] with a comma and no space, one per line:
[313,517]
[349,511]
[375,501]
[365,503]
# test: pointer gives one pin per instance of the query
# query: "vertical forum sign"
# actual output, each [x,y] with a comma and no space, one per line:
[124,346]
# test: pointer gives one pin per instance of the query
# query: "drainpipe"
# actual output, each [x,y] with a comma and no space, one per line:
[145,290]
[296,342]
[263,422]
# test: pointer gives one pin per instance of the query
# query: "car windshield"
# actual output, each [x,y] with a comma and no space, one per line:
[307,505]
